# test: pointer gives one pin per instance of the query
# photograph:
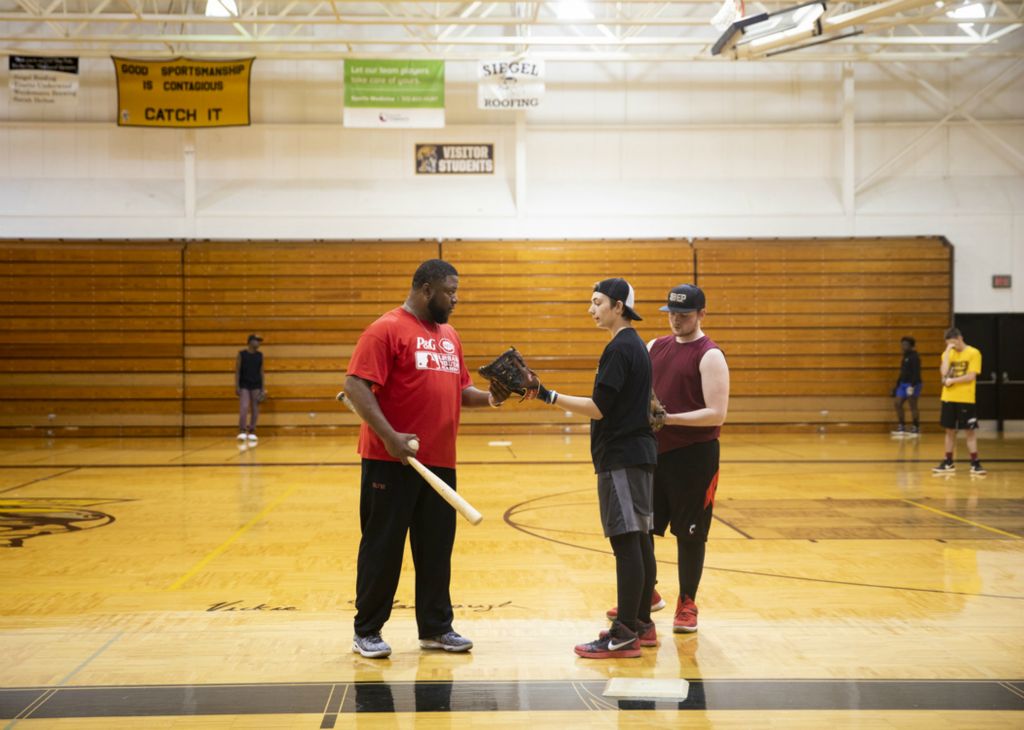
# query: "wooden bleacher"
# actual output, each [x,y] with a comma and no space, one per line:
[812,328]
[91,340]
[136,338]
[535,295]
[310,302]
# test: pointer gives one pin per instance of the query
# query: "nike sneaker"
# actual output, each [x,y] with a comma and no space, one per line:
[657,603]
[619,643]
[647,635]
[685,621]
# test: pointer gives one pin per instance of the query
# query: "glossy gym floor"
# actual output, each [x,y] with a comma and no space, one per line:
[199,583]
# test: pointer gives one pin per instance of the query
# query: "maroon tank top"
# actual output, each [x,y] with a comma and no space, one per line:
[677,383]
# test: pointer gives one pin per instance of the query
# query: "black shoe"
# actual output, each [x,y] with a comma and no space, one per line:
[945,467]
[977,469]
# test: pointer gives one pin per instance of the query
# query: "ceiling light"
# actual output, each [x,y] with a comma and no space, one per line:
[573,10]
[221,9]
[974,11]
[790,24]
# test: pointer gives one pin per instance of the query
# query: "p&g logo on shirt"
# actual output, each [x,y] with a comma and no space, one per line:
[427,357]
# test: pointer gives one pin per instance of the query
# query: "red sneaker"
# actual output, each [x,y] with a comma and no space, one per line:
[647,635]
[685,621]
[616,643]
[657,603]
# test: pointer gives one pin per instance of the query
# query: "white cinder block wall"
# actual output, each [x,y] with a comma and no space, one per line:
[616,150]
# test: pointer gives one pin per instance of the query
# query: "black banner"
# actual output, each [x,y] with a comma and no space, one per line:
[454,159]
[61,64]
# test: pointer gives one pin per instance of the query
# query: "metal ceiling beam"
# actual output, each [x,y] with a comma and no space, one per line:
[958,110]
[644,30]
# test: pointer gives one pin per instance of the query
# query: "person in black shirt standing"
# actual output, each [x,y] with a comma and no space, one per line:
[908,388]
[249,388]
[624,452]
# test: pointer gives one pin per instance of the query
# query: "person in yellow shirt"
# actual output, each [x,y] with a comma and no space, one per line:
[960,367]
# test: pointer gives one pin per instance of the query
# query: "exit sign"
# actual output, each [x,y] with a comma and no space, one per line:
[1001,281]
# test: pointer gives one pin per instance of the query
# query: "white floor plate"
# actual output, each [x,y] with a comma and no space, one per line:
[647,689]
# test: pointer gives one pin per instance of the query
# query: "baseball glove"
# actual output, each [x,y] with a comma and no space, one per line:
[656,416]
[509,374]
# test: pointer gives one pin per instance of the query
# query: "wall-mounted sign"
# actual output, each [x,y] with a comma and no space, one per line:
[402,94]
[43,81]
[182,92]
[1002,281]
[509,84]
[454,159]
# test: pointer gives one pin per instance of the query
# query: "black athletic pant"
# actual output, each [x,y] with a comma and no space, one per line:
[635,573]
[395,500]
[685,483]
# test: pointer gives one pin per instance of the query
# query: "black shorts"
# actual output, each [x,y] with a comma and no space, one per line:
[963,416]
[684,490]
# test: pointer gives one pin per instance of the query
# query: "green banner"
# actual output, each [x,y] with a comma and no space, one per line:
[394,84]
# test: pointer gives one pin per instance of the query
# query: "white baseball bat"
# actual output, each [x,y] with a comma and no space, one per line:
[449,495]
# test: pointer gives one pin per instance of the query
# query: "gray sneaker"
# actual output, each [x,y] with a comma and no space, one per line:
[449,642]
[372,646]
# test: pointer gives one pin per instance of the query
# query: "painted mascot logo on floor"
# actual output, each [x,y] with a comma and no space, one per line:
[23,518]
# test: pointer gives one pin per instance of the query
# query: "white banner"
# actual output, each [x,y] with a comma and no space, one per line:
[43,80]
[510,84]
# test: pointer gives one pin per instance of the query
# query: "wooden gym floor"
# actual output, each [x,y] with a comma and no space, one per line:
[194,583]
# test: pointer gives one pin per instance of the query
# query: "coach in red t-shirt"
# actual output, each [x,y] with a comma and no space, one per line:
[407,379]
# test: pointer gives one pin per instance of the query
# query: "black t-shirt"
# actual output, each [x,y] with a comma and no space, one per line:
[910,368]
[622,389]
[249,375]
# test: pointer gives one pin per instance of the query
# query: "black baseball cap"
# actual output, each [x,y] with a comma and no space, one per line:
[619,290]
[684,298]
[254,337]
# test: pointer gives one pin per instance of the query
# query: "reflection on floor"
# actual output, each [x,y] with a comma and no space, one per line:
[335,698]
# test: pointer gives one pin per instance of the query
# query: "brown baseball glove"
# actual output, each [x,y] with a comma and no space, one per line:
[656,416]
[509,374]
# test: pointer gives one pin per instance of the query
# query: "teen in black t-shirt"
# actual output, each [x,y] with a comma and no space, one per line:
[908,388]
[622,391]
[625,453]
[249,387]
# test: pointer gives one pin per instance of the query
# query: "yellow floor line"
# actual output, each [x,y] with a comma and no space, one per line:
[227,543]
[961,519]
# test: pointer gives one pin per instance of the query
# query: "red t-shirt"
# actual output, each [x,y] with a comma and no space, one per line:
[419,375]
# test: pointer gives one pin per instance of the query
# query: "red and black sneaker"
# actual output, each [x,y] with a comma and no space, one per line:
[657,603]
[619,642]
[685,621]
[647,634]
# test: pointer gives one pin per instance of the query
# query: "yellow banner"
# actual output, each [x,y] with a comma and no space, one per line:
[182,92]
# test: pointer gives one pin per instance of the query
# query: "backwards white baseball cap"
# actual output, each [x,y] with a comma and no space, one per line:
[619,290]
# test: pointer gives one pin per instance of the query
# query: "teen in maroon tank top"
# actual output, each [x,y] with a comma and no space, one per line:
[678,384]
[691,379]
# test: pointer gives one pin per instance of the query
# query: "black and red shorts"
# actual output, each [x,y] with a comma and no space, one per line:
[962,416]
[684,490]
